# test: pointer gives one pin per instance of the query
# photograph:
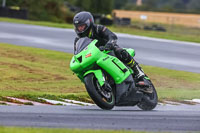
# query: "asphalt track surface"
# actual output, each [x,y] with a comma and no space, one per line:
[176,55]
[155,52]
[164,118]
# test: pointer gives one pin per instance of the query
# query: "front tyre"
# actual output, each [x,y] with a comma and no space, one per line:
[101,97]
[149,100]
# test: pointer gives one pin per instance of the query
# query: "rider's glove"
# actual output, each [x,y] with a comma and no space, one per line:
[109,46]
[102,48]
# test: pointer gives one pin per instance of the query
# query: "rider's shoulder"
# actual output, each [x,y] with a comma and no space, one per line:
[76,39]
[99,28]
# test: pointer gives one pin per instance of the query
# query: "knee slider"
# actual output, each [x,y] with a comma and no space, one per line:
[123,55]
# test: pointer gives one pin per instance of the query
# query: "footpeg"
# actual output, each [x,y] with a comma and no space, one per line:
[145,86]
[142,84]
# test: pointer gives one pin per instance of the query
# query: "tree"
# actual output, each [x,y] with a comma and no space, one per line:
[184,6]
[119,3]
[47,10]
[194,6]
[95,6]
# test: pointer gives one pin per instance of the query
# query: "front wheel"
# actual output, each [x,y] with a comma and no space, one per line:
[100,96]
[149,100]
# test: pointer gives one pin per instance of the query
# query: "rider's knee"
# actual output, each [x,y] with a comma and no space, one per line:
[123,55]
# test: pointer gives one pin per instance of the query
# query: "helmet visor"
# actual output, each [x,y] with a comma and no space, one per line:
[81,27]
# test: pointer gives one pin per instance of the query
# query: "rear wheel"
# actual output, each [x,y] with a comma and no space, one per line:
[149,100]
[103,98]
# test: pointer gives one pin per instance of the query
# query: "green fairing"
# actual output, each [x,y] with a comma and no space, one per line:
[114,67]
[118,71]
[130,51]
[98,74]
[76,66]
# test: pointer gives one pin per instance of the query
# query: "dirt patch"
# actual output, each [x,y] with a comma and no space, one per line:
[45,75]
[5,99]
[18,55]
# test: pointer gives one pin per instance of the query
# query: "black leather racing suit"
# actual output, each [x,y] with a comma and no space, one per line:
[105,36]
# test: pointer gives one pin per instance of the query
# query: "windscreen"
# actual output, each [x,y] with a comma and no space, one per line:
[81,44]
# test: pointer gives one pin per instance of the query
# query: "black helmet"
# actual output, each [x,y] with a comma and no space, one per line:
[83,22]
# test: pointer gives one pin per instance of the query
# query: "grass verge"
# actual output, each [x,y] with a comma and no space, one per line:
[179,34]
[174,32]
[53,130]
[32,72]
[41,23]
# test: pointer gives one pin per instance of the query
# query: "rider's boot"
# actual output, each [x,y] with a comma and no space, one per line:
[142,79]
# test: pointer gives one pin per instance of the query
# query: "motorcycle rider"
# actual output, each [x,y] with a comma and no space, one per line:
[85,27]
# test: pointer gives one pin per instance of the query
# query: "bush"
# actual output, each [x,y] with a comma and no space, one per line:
[45,10]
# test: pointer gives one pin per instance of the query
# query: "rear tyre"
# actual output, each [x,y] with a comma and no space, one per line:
[149,100]
[101,97]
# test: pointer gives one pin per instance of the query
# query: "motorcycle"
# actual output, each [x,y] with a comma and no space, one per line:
[108,81]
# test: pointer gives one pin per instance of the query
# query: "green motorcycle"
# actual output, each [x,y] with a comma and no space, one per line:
[108,81]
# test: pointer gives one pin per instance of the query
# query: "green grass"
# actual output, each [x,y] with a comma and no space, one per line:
[171,35]
[32,72]
[174,85]
[173,32]
[42,23]
[53,130]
